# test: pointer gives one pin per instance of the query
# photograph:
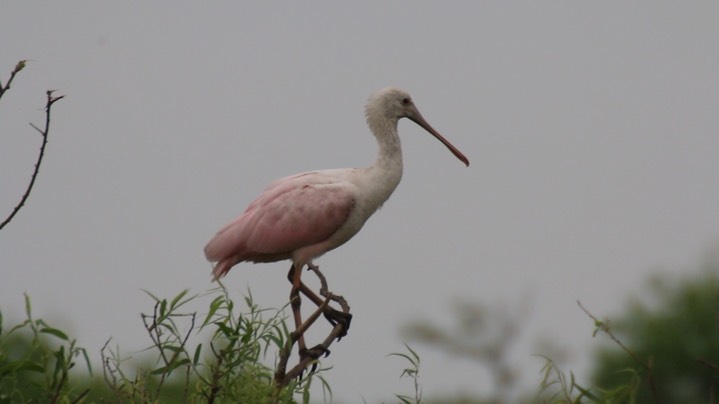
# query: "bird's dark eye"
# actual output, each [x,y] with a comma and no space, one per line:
[406,101]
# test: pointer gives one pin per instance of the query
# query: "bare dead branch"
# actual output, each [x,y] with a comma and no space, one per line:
[44,133]
[19,66]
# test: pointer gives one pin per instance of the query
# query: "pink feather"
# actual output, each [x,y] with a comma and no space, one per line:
[293,212]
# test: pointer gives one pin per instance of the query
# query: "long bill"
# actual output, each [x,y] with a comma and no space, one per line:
[419,120]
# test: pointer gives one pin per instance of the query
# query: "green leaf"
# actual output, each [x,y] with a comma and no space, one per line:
[414,354]
[163,308]
[20,65]
[169,368]
[55,332]
[177,298]
[248,333]
[28,307]
[177,364]
[196,356]
[173,348]
[59,360]
[31,367]
[404,399]
[401,355]
[214,306]
[225,330]
[87,359]
[159,371]
[155,298]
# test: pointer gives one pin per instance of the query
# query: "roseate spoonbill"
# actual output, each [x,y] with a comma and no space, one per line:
[303,216]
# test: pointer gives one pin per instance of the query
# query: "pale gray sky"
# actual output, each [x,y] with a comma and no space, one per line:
[591,131]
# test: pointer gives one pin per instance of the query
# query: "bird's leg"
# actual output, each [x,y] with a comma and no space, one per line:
[334,316]
[319,349]
[339,319]
[296,303]
[301,327]
[304,289]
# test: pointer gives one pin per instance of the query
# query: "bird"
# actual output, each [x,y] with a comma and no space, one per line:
[303,216]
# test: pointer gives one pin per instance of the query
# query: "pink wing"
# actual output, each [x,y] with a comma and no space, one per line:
[292,212]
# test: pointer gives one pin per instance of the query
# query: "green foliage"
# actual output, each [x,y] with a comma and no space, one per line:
[35,362]
[35,358]
[228,368]
[557,387]
[412,372]
[676,332]
[664,349]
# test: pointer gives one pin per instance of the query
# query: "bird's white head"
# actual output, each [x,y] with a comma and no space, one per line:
[391,104]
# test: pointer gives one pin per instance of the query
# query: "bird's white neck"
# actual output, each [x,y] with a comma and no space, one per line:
[385,174]
[390,149]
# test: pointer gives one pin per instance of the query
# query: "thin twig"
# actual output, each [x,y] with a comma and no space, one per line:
[186,390]
[183,343]
[81,397]
[109,374]
[50,100]
[155,333]
[648,365]
[106,371]
[58,389]
[19,66]
[216,375]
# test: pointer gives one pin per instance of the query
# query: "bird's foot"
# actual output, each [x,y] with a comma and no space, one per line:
[336,317]
[313,354]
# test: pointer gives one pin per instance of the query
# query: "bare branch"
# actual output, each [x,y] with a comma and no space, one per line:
[648,365]
[44,133]
[19,66]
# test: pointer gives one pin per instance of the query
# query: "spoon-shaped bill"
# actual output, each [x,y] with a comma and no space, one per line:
[417,118]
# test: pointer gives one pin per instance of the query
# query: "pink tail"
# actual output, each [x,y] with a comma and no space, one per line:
[223,267]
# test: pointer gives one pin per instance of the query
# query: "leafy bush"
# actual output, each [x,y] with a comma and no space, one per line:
[35,358]
[35,362]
